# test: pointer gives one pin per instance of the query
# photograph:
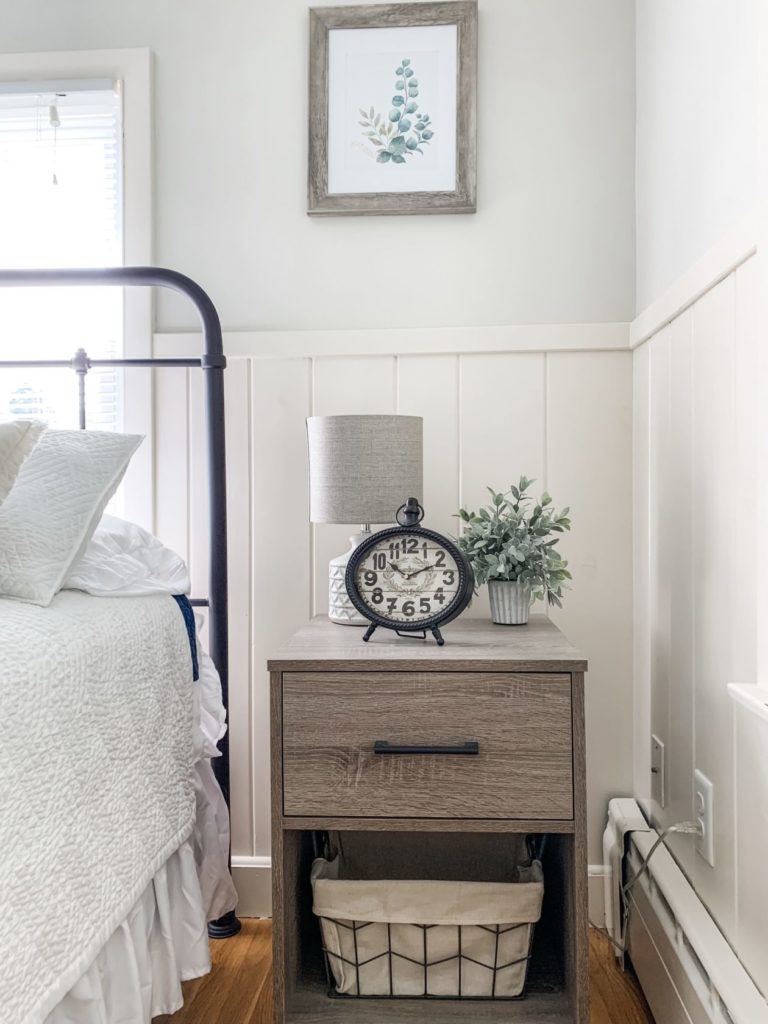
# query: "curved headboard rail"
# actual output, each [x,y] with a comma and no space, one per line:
[213,363]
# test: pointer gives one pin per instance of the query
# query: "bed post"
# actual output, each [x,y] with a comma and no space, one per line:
[213,364]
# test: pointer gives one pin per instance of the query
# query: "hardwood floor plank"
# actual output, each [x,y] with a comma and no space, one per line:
[239,988]
[598,1011]
[262,1013]
[230,993]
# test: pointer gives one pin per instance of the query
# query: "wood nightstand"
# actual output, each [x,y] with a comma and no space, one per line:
[519,692]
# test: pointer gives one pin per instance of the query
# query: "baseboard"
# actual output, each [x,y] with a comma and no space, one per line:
[253,880]
[686,967]
[596,893]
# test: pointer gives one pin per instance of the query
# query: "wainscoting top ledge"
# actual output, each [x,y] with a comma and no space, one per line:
[477,340]
[754,698]
[717,263]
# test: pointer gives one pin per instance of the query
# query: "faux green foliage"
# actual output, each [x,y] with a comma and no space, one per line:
[512,539]
[402,132]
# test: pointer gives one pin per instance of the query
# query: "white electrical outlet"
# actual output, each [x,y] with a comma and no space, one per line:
[658,787]
[703,802]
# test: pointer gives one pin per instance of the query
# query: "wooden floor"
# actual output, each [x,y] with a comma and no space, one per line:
[239,988]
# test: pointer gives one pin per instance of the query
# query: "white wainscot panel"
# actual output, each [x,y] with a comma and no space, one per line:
[347,386]
[501,435]
[661,500]
[172,459]
[746,459]
[589,439]
[713,439]
[199,518]
[281,542]
[428,386]
[696,449]
[641,376]
[237,395]
[681,572]
[752,840]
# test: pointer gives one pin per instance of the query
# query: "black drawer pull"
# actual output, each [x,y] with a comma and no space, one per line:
[385,747]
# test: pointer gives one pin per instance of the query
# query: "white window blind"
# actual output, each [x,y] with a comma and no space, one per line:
[60,206]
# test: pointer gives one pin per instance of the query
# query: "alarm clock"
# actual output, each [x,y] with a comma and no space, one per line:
[408,578]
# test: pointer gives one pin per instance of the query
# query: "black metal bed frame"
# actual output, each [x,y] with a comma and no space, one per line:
[213,362]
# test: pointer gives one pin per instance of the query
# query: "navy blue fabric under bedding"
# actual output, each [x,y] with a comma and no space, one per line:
[189,621]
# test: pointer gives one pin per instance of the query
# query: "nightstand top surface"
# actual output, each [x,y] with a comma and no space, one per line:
[470,644]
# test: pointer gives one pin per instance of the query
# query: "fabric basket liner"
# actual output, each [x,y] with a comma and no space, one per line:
[427,902]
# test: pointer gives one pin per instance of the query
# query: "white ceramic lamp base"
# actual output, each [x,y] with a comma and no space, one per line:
[340,608]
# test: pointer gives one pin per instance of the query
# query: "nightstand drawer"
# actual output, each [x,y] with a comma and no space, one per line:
[521,724]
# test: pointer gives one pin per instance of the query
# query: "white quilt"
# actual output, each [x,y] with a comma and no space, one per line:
[95,779]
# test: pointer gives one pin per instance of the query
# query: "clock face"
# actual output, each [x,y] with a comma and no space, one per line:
[406,577]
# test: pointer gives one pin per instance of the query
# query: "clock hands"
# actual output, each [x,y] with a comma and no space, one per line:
[409,575]
[422,569]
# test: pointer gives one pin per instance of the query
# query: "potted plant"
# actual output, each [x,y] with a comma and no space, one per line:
[511,547]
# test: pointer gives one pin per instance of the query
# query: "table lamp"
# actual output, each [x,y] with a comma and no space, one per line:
[361,470]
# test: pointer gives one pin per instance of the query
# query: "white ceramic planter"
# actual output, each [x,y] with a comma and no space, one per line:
[510,602]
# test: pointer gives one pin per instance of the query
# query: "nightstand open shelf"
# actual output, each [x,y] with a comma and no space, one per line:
[519,694]
[306,987]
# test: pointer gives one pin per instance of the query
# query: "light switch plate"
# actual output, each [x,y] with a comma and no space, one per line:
[703,803]
[658,787]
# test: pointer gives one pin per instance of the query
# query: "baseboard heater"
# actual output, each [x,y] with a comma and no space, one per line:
[689,973]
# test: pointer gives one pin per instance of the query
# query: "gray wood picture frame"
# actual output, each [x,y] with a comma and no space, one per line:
[463,14]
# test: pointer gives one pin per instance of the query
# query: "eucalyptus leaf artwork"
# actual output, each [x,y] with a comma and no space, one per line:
[515,538]
[392,108]
[404,131]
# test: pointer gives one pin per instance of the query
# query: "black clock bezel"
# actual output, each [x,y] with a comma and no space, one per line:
[456,607]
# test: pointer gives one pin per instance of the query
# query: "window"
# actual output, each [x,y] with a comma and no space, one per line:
[61,206]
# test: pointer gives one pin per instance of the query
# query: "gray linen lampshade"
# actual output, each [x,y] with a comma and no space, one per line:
[362,468]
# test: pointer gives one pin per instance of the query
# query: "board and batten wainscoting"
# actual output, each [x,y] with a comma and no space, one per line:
[698,468]
[552,401]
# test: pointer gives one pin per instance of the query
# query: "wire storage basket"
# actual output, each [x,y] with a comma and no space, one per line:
[422,939]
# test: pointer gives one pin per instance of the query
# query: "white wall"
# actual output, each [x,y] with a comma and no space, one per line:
[552,241]
[696,131]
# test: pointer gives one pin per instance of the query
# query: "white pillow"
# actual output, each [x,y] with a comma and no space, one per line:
[17,439]
[123,560]
[54,507]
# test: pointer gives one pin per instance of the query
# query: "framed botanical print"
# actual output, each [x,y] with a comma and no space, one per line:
[392,108]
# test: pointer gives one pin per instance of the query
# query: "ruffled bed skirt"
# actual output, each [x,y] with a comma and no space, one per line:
[164,938]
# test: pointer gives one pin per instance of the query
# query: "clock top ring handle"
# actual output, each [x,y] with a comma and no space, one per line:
[410,514]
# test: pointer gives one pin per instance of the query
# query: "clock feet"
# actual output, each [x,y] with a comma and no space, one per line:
[369,632]
[410,635]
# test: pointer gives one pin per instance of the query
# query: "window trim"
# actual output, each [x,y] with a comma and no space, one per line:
[132,68]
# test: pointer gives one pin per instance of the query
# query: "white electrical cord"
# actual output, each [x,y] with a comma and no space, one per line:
[688,828]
